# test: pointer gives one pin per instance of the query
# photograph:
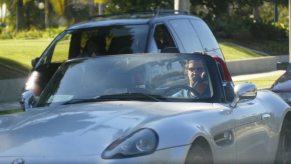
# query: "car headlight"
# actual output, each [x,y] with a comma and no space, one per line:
[141,142]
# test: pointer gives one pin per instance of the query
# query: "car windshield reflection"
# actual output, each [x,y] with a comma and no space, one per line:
[142,77]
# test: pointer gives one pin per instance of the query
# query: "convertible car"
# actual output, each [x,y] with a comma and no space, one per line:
[125,109]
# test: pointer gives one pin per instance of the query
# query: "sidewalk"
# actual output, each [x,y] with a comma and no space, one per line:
[9,106]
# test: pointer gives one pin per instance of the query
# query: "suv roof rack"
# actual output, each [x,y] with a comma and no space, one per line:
[146,13]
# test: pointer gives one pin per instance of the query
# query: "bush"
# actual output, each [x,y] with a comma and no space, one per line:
[230,27]
[6,35]
[268,31]
[31,34]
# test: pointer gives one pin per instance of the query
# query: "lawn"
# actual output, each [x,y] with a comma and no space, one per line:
[10,111]
[262,82]
[19,53]
[235,52]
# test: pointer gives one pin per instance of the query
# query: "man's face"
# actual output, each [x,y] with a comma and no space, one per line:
[195,70]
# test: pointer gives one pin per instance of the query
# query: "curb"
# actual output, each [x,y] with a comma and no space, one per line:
[13,69]
[255,65]
[9,106]
[11,89]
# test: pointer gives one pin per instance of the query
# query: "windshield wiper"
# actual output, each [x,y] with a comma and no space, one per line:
[119,97]
[76,101]
[135,96]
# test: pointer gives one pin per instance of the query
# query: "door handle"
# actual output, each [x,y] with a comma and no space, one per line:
[224,138]
[266,116]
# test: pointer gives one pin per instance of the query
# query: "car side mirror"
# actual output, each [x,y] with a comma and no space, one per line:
[28,100]
[34,61]
[243,92]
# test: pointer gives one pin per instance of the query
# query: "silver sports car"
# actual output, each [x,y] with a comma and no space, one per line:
[148,108]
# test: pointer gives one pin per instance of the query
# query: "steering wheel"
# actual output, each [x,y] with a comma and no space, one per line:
[174,89]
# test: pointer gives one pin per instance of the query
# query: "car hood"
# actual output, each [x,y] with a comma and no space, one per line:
[80,129]
[283,84]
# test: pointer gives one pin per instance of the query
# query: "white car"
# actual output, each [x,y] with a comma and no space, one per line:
[123,109]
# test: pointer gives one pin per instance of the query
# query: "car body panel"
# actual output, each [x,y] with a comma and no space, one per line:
[51,128]
[100,118]
[282,86]
[283,83]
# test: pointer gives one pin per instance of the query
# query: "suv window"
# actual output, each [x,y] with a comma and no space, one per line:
[186,34]
[61,50]
[127,39]
[206,37]
[163,38]
[106,40]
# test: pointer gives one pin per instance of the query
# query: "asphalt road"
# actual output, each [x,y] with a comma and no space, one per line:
[8,73]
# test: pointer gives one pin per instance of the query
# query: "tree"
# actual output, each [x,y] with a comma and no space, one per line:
[215,8]
[47,11]
[115,6]
[20,19]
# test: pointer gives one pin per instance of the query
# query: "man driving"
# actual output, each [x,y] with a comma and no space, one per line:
[197,81]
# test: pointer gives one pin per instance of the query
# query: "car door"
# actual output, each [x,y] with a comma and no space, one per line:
[251,132]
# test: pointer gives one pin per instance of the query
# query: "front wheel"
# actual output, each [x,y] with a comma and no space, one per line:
[198,155]
[284,148]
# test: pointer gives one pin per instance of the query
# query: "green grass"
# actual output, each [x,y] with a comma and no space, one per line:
[261,82]
[10,111]
[19,53]
[235,52]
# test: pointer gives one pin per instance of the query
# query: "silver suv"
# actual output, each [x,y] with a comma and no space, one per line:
[162,32]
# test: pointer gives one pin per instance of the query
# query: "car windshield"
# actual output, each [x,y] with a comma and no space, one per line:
[138,77]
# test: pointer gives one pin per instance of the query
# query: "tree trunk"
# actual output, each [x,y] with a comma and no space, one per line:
[46,14]
[100,9]
[20,19]
[256,13]
[182,5]
[91,6]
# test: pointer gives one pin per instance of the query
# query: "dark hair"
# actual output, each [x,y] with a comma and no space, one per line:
[94,44]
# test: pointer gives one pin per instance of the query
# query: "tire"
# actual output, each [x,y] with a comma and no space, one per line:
[198,155]
[284,148]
